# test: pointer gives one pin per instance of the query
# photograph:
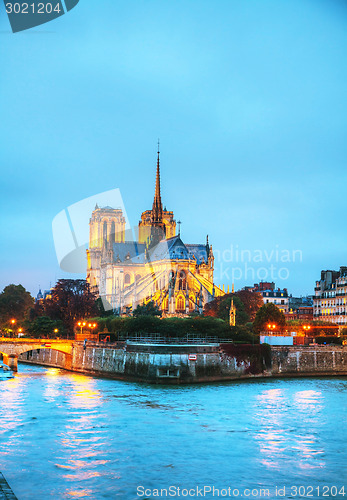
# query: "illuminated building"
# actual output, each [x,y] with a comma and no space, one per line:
[158,267]
[330,300]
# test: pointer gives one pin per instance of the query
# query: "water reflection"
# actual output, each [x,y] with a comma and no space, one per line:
[91,438]
[12,406]
[286,420]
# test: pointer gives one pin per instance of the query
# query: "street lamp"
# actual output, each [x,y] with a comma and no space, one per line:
[81,324]
[307,327]
[271,326]
[20,330]
[13,322]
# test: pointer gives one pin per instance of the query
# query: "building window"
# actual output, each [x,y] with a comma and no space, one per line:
[127,279]
[182,281]
[180,304]
[165,304]
[104,231]
[113,232]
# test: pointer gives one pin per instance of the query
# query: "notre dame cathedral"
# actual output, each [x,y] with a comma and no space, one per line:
[158,267]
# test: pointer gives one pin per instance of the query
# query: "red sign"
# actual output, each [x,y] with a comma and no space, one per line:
[48,345]
[192,357]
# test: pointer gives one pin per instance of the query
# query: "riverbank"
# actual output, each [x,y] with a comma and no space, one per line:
[187,364]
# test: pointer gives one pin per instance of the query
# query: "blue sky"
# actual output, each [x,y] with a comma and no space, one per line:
[248,98]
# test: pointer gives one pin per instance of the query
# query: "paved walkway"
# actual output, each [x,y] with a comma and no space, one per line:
[5,491]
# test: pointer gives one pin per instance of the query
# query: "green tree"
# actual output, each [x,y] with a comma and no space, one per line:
[220,308]
[269,314]
[44,326]
[149,309]
[71,301]
[102,312]
[15,302]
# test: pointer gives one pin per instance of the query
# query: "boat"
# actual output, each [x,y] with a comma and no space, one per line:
[5,372]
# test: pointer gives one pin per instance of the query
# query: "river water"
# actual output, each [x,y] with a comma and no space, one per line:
[65,436]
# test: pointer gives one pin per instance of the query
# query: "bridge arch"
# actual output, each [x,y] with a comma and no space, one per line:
[12,348]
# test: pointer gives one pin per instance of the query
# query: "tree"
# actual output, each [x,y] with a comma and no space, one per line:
[220,308]
[15,302]
[149,309]
[71,300]
[102,312]
[269,313]
[252,302]
[46,327]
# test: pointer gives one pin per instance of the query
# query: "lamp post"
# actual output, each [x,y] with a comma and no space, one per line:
[271,327]
[81,324]
[92,326]
[13,322]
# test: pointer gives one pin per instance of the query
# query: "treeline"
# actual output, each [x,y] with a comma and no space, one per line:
[199,326]
[71,301]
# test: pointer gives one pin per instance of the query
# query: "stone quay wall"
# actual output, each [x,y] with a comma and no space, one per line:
[175,364]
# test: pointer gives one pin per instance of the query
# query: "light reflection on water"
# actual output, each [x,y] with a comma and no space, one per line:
[286,418]
[66,435]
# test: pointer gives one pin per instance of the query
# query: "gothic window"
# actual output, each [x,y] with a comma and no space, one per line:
[171,279]
[113,232]
[104,231]
[127,279]
[180,304]
[138,277]
[182,281]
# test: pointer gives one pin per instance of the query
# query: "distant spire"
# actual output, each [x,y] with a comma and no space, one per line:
[232,314]
[157,210]
[179,227]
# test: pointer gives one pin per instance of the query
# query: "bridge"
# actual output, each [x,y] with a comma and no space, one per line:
[11,348]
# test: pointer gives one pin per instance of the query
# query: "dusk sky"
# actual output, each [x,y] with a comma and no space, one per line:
[248,98]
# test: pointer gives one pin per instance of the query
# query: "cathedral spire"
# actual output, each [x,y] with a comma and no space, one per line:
[157,209]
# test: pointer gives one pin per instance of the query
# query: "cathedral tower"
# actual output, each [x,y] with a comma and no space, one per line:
[158,223]
[106,226]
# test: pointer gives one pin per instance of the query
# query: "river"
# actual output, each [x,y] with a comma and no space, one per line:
[66,435]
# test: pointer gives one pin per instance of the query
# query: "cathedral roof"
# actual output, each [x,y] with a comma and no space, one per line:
[171,248]
[199,251]
[129,250]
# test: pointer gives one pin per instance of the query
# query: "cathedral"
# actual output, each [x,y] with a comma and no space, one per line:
[157,267]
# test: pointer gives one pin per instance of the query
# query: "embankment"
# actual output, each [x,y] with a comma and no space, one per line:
[195,363]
